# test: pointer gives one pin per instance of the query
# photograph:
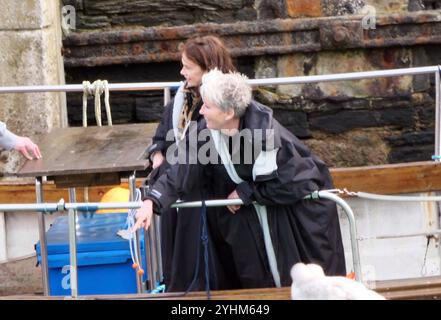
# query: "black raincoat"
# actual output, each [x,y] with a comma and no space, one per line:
[300,230]
[171,226]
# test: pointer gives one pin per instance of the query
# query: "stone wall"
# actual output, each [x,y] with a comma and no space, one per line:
[92,14]
[30,40]
[30,54]
[350,123]
[105,14]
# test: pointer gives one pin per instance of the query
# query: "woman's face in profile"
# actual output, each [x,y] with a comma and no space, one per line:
[192,72]
[213,115]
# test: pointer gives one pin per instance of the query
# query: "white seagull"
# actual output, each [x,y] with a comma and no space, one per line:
[310,283]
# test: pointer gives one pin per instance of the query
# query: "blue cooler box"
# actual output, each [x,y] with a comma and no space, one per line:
[103,257]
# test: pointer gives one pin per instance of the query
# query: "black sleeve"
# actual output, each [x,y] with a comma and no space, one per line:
[296,176]
[159,141]
[180,179]
[174,184]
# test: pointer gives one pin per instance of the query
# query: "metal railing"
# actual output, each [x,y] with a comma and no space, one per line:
[167,86]
[74,207]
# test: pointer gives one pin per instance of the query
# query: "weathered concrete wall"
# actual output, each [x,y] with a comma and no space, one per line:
[30,54]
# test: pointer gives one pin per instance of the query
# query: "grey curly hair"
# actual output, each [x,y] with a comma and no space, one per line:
[227,91]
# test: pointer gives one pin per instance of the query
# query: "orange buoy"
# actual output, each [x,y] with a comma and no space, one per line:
[116,194]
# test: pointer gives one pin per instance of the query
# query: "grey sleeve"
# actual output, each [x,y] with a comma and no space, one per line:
[7,138]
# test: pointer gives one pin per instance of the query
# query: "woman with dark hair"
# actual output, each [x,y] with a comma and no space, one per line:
[260,162]
[199,55]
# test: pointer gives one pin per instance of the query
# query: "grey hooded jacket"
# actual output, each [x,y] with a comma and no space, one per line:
[7,138]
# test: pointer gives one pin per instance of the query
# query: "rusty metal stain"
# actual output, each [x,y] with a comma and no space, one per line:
[430,210]
[278,36]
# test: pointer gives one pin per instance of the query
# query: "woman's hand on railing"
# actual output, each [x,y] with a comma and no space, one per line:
[233,208]
[158,159]
[144,215]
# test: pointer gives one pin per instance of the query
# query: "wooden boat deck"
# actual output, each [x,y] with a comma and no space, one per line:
[428,288]
[386,179]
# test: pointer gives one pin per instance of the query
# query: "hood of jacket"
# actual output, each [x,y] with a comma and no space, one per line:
[259,116]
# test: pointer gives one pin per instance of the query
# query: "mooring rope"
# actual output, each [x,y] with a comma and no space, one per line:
[96,89]
[382,197]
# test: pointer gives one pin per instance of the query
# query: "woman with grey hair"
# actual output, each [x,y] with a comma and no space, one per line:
[257,243]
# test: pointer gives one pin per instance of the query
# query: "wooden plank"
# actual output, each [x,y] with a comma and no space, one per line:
[415,288]
[78,150]
[88,179]
[390,179]
[408,284]
[385,179]
[25,193]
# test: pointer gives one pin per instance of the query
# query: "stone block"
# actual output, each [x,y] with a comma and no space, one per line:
[358,147]
[27,14]
[304,8]
[388,7]
[334,62]
[270,9]
[341,7]
[411,154]
[149,109]
[165,13]
[294,121]
[412,139]
[426,116]
[292,66]
[357,61]
[29,58]
[350,119]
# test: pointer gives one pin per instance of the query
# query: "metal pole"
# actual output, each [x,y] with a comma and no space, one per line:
[160,273]
[352,229]
[344,76]
[167,95]
[132,188]
[437,116]
[208,203]
[153,252]
[149,259]
[79,87]
[73,254]
[253,82]
[42,234]
[72,215]
[93,206]
[43,207]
